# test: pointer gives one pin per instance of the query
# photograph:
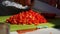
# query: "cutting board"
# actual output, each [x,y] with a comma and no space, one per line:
[51,23]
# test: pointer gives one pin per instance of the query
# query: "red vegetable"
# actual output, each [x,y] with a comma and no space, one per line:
[27,17]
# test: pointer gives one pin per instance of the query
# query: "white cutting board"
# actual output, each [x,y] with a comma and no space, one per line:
[42,31]
[45,31]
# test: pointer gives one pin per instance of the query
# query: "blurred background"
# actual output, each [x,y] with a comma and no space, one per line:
[54,3]
[54,6]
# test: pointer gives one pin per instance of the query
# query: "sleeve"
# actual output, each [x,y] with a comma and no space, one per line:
[9,3]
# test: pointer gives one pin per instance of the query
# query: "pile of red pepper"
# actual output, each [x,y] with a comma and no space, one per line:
[27,17]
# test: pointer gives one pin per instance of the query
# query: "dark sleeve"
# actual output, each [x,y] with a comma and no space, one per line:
[8,10]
